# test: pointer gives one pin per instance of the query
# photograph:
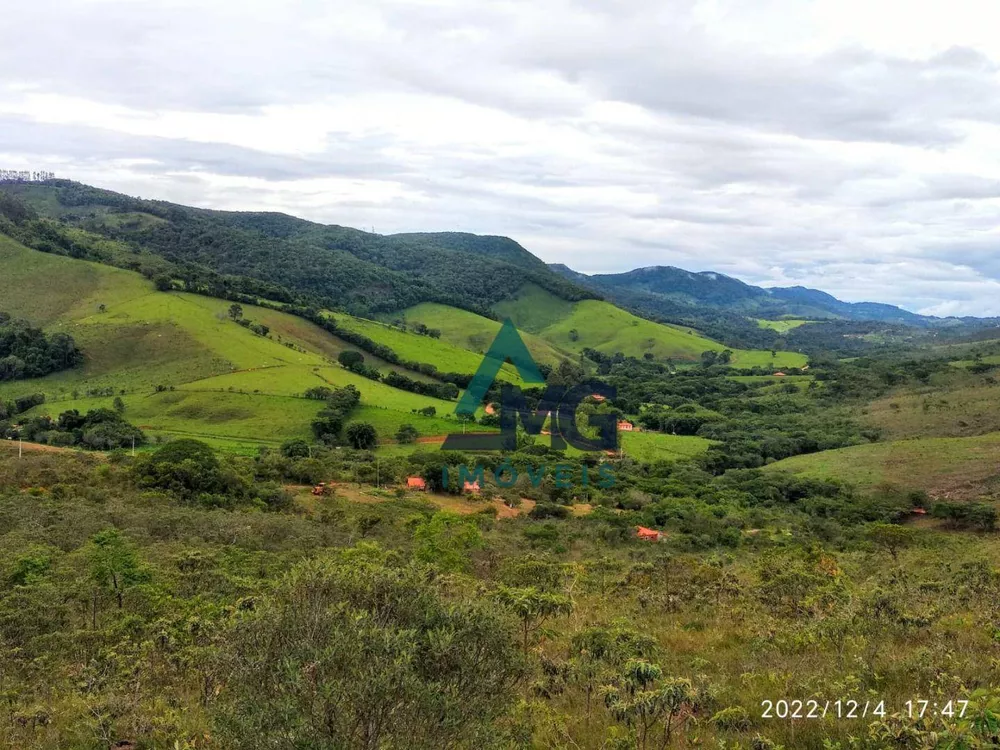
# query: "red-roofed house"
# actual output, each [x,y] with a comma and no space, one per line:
[624,426]
[472,487]
[416,483]
[780,375]
[650,535]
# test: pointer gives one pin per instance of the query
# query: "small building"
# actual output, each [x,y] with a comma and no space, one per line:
[649,535]
[472,487]
[416,483]
[597,397]
[322,489]
[490,409]
[780,375]
[919,512]
[625,426]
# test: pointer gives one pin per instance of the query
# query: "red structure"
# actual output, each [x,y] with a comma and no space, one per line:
[416,483]
[624,426]
[472,487]
[649,535]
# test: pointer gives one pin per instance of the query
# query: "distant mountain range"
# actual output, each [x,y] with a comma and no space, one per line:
[669,291]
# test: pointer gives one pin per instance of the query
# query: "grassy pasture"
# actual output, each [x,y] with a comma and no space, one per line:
[574,326]
[467,330]
[657,446]
[443,354]
[945,467]
[232,386]
[781,326]
[962,411]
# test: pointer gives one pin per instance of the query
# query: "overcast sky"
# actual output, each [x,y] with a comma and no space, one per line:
[847,145]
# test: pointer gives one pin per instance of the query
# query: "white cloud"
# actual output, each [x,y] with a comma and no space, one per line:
[783,142]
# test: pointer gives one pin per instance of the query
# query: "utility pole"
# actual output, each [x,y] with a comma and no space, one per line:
[133,446]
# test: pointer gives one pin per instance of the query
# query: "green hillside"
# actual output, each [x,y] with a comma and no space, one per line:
[474,332]
[332,265]
[781,326]
[956,468]
[574,326]
[217,379]
[413,347]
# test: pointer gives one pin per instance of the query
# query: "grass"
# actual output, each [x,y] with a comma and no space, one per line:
[52,289]
[959,410]
[534,309]
[781,326]
[467,330]
[655,446]
[575,326]
[443,354]
[232,387]
[945,467]
[651,446]
[988,360]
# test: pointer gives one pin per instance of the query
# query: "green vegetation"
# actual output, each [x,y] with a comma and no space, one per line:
[183,366]
[955,467]
[26,352]
[100,429]
[781,326]
[442,353]
[289,558]
[650,447]
[256,608]
[592,324]
[474,332]
[274,255]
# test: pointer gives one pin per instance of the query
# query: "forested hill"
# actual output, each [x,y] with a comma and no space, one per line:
[331,266]
[669,291]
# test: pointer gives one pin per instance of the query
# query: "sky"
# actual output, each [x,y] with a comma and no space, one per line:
[846,145]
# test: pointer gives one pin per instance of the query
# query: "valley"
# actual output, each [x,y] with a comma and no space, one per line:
[797,495]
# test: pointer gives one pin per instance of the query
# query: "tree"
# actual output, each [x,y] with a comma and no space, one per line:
[119,405]
[235,311]
[328,425]
[533,608]
[890,537]
[351,359]
[649,704]
[114,565]
[361,435]
[295,449]
[445,541]
[598,652]
[407,434]
[164,283]
[187,467]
